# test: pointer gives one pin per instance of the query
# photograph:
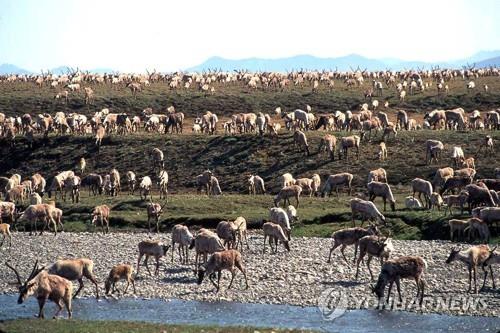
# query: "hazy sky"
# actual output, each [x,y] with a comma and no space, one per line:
[169,35]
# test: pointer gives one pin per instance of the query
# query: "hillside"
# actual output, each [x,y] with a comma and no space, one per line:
[233,158]
[19,98]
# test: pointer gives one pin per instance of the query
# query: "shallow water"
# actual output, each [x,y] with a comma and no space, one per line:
[259,315]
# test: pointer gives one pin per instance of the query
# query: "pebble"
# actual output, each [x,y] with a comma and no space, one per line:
[294,278]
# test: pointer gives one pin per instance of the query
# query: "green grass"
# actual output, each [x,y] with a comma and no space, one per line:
[318,217]
[81,326]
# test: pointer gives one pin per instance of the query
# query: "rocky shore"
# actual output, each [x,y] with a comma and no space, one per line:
[298,277]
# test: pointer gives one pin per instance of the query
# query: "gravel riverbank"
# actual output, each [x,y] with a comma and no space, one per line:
[296,278]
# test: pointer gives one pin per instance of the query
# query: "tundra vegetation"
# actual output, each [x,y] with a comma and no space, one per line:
[417,142]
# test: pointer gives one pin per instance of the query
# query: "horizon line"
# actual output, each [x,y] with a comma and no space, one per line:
[450,62]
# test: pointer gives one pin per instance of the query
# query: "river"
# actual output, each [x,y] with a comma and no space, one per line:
[258,315]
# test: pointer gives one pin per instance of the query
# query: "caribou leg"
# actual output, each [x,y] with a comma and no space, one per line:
[80,281]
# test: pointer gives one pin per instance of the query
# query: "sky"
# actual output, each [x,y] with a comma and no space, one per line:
[167,35]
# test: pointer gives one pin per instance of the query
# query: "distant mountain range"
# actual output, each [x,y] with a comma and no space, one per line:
[344,63]
[13,69]
[480,59]
[489,62]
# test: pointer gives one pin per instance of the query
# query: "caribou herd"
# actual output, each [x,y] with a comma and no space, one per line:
[31,199]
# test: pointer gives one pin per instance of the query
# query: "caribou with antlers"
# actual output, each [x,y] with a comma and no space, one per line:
[45,286]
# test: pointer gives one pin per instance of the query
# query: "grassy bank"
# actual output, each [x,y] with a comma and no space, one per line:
[81,326]
[318,217]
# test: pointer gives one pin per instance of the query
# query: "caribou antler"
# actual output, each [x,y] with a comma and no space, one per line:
[15,271]
[33,274]
[35,271]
